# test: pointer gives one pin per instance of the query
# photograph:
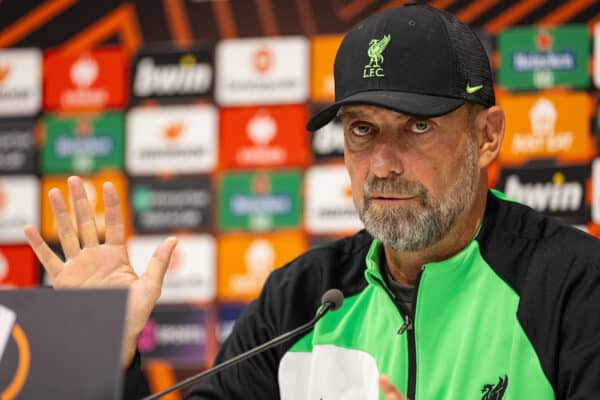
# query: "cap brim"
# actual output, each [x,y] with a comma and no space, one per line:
[420,105]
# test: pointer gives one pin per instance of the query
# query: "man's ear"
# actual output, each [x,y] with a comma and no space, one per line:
[490,124]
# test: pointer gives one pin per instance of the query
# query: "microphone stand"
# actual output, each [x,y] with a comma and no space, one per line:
[250,353]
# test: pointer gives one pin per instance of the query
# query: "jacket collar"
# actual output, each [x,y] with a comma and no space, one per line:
[375,253]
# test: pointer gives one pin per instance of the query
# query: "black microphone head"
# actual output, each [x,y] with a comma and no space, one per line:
[334,297]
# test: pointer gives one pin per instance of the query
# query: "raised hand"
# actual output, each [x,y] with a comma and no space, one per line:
[91,264]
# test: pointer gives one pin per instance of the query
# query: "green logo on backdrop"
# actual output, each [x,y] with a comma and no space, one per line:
[260,201]
[538,58]
[82,145]
[375,53]
[141,199]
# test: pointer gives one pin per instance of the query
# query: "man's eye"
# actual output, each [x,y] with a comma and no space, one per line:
[361,130]
[420,127]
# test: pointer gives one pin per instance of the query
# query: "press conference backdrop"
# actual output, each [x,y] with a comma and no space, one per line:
[196,111]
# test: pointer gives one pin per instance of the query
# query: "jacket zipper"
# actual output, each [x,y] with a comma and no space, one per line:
[408,327]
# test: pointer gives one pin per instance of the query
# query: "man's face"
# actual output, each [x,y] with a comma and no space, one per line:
[411,177]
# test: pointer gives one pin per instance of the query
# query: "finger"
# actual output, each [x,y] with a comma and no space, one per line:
[115,229]
[64,227]
[83,213]
[51,262]
[157,267]
[389,390]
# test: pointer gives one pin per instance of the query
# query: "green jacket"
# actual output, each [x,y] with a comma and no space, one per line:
[514,315]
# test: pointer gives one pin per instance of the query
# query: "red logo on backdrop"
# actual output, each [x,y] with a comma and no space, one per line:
[263,136]
[85,81]
[2,198]
[18,267]
[263,60]
[4,71]
[347,192]
[84,71]
[544,41]
[84,127]
[261,128]
[173,131]
[261,184]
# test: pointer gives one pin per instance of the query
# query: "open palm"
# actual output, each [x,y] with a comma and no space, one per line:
[91,264]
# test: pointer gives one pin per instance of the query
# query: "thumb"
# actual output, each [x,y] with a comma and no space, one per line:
[389,390]
[157,267]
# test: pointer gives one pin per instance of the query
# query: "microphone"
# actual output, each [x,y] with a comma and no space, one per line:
[331,301]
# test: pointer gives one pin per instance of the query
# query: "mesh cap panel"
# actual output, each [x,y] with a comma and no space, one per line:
[473,65]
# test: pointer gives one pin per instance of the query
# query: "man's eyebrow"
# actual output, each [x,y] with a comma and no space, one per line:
[351,114]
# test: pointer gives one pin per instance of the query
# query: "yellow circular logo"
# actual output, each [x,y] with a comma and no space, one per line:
[24,359]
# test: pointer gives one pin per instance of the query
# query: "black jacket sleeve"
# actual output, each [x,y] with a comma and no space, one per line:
[135,385]
[578,375]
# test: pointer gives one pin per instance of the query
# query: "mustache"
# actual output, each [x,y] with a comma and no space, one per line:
[393,186]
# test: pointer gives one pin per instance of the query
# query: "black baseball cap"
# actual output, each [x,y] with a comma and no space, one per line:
[414,59]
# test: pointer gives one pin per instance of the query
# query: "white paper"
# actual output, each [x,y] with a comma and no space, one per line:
[7,320]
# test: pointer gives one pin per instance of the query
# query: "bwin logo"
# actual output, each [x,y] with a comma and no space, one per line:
[167,80]
[555,196]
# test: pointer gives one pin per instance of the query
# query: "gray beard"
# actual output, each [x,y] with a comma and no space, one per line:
[415,227]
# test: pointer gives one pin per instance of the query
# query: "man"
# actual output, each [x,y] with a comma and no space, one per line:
[452,292]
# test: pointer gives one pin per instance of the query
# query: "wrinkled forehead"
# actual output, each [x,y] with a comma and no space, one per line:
[368,111]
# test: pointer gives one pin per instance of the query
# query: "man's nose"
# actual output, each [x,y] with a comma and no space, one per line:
[386,158]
